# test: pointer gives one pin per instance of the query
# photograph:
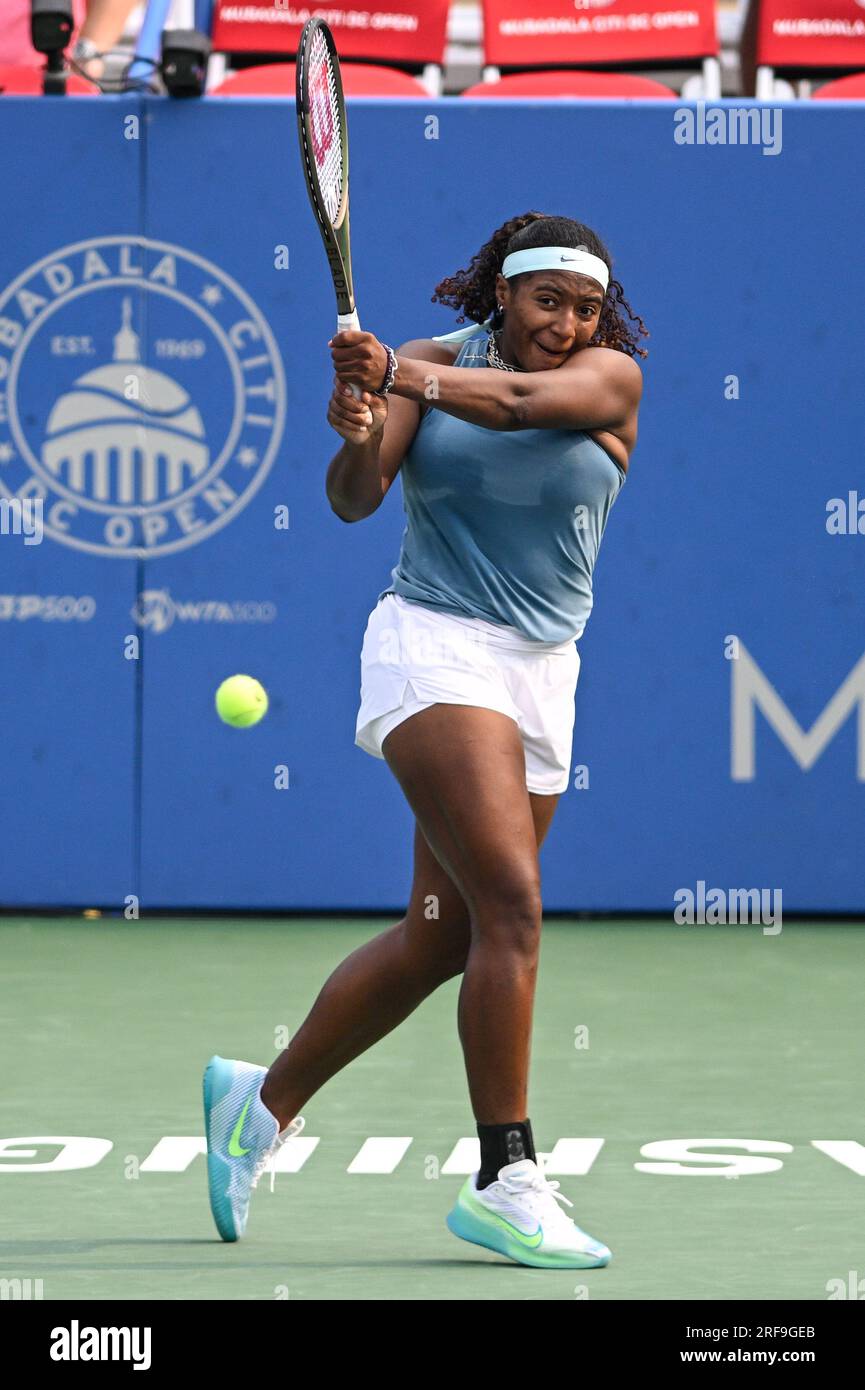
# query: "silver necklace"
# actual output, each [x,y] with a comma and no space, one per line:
[494,357]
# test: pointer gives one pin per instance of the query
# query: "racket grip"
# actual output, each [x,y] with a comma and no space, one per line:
[351,322]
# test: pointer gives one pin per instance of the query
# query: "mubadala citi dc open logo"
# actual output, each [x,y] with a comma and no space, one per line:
[131,457]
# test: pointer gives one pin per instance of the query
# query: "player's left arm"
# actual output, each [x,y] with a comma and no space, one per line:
[480,396]
[596,388]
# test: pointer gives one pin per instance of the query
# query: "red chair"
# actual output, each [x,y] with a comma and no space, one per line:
[27,81]
[565,39]
[844,89]
[571,84]
[358,80]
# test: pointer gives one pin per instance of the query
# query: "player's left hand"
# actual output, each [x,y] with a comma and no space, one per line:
[358,357]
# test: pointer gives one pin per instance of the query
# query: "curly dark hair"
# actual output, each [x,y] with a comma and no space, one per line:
[474,290]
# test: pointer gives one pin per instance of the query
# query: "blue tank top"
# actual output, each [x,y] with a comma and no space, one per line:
[503,525]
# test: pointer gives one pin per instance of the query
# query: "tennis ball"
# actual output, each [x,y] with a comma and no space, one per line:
[241,701]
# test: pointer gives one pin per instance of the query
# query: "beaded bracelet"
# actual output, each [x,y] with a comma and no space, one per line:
[390,374]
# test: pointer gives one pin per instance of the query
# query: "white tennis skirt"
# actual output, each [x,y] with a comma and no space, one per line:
[414,657]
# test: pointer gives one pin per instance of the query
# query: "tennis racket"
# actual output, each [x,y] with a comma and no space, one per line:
[323,133]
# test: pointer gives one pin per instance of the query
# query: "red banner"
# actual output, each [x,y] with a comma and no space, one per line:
[397,32]
[811,33]
[525,33]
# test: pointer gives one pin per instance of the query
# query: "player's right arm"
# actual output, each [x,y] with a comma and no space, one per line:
[361,473]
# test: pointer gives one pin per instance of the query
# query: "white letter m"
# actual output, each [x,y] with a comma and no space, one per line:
[750,688]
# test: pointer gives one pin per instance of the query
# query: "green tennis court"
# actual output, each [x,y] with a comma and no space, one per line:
[701,1033]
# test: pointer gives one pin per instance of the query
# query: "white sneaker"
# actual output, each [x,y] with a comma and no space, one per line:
[519,1216]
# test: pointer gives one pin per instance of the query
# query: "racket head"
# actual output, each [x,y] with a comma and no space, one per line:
[323,134]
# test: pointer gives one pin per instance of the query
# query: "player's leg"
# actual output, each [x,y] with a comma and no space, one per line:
[368,994]
[462,769]
[382,982]
[437,926]
[464,775]
[373,989]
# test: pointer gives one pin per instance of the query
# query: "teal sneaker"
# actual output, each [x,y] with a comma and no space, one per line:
[242,1137]
[519,1217]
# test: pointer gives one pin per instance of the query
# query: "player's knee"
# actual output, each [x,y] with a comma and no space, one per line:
[510,912]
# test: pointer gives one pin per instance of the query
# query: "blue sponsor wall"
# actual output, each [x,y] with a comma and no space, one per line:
[164,386]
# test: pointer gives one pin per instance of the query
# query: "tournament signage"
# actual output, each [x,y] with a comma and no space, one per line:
[132,456]
[811,33]
[536,32]
[528,33]
[400,32]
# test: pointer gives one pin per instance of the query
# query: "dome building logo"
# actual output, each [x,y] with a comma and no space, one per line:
[142,396]
[126,451]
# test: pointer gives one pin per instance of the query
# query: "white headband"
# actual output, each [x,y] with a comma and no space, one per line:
[538,258]
[557,258]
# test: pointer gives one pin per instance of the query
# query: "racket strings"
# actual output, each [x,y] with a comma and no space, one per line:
[325,123]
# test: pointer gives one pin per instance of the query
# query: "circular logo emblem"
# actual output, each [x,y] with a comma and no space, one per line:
[142,396]
[154,609]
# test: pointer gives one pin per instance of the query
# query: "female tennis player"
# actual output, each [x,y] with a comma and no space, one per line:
[514,436]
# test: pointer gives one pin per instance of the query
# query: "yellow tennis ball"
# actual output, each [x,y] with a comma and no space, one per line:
[241,701]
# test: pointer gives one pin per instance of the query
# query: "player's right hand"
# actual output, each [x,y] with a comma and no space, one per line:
[356,421]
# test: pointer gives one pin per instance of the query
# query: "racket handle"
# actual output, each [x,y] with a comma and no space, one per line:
[351,322]
[345,322]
